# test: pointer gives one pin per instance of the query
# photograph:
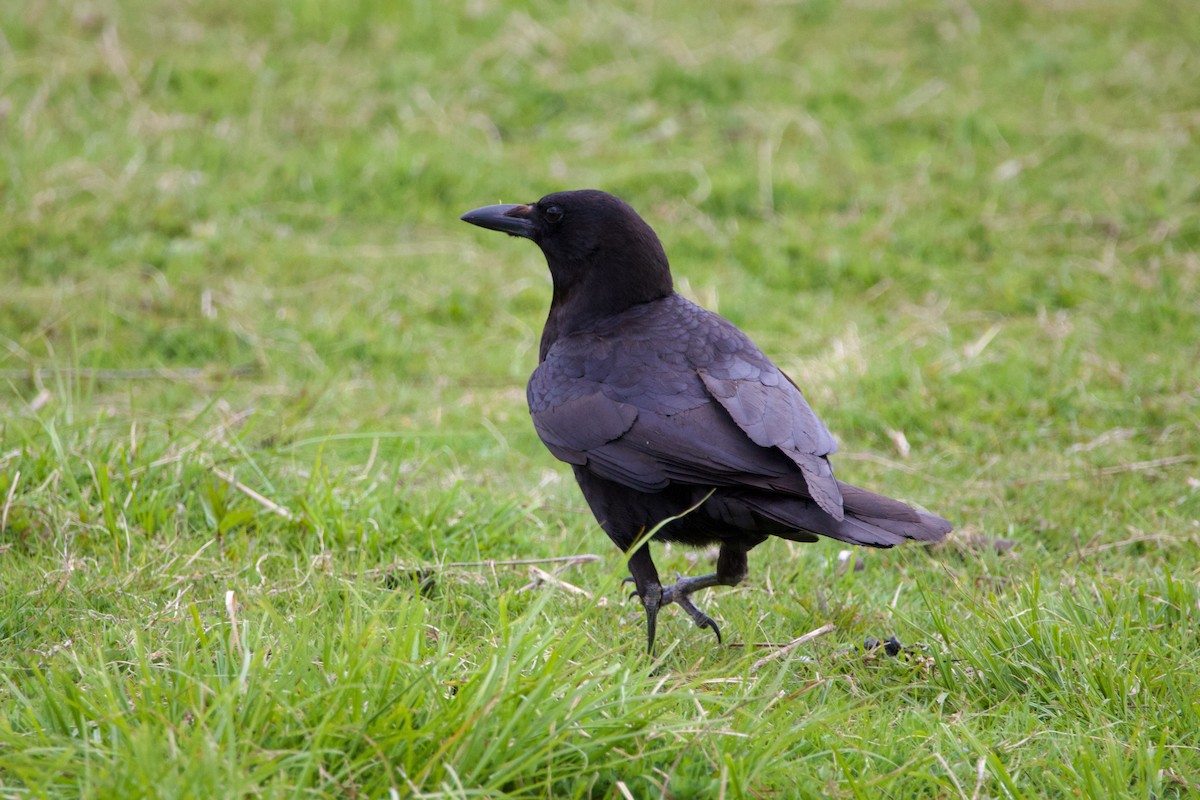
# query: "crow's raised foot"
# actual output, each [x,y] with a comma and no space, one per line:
[679,593]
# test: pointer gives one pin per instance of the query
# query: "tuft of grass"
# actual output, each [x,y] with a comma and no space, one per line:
[268,489]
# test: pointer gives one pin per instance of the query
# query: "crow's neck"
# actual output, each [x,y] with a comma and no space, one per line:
[578,305]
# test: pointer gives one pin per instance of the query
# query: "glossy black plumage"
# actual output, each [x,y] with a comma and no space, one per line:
[660,405]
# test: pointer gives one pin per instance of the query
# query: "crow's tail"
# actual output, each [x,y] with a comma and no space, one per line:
[871,519]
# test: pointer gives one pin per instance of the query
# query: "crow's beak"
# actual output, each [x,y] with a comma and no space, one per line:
[511,219]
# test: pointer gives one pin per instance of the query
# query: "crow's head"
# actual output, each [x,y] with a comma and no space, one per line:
[603,257]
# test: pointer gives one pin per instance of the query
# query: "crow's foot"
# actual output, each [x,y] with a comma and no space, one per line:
[680,593]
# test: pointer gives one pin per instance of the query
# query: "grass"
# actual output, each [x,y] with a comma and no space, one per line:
[266,473]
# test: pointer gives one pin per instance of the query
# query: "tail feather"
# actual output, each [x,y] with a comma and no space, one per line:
[863,503]
[871,519]
[893,516]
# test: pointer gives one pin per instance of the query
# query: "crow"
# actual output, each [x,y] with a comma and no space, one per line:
[670,416]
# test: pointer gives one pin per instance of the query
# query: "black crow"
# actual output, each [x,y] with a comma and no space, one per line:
[660,406]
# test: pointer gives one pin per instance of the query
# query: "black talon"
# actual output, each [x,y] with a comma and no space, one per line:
[701,619]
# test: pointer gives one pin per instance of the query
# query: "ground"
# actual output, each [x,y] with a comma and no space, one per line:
[269,493]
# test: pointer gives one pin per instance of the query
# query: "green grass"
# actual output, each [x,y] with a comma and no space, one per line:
[229,249]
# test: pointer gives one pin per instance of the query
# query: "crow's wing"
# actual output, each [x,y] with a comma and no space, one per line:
[675,393]
[773,413]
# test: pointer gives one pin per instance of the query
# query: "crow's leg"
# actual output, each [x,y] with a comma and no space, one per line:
[731,569]
[645,577]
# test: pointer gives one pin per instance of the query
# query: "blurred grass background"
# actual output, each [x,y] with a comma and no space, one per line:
[230,260]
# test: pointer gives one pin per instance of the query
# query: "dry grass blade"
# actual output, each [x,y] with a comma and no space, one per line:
[181,374]
[582,558]
[1115,469]
[540,576]
[793,644]
[8,501]
[265,502]
[231,608]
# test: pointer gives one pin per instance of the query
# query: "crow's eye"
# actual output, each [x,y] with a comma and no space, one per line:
[553,214]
